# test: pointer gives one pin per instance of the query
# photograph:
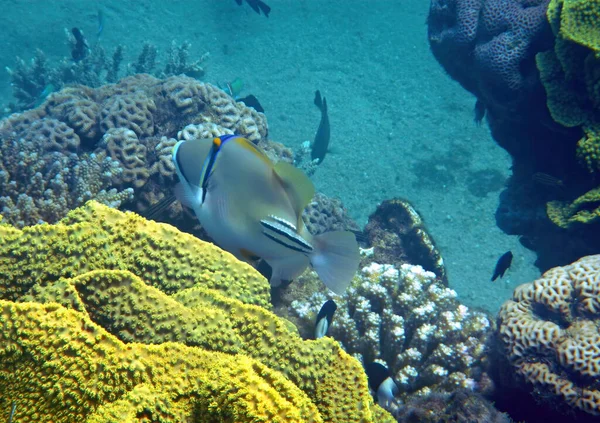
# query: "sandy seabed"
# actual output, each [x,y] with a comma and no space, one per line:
[400,127]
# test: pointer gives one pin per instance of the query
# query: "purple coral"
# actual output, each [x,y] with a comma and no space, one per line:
[489,46]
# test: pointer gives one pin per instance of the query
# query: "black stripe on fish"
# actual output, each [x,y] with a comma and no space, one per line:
[297,242]
[284,244]
[284,222]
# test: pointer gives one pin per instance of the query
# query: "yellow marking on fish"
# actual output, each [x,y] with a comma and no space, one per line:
[217,142]
[249,146]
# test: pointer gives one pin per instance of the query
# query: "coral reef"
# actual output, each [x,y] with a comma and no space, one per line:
[33,82]
[407,319]
[533,65]
[489,47]
[111,143]
[549,334]
[325,214]
[124,283]
[571,76]
[461,406]
[41,178]
[398,236]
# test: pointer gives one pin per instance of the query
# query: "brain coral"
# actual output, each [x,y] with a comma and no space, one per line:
[550,334]
[489,45]
[123,283]
[78,127]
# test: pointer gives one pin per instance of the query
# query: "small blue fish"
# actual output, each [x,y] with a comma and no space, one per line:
[324,318]
[100,24]
[380,381]
[253,209]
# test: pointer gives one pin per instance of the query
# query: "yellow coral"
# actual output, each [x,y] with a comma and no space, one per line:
[98,237]
[59,366]
[570,72]
[208,312]
[579,22]
[583,210]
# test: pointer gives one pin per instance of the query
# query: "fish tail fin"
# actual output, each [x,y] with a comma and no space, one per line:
[335,259]
[264,7]
[318,100]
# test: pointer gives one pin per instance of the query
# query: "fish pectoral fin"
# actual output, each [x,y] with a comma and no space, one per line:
[189,197]
[298,187]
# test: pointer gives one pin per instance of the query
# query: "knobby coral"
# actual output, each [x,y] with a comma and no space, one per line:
[549,330]
[409,320]
[123,283]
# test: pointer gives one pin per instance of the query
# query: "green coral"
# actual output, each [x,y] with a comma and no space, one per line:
[584,210]
[93,291]
[570,72]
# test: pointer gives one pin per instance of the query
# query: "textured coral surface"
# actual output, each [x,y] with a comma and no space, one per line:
[410,321]
[109,143]
[123,283]
[550,333]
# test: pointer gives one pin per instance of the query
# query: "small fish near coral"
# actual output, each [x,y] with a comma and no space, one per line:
[324,318]
[381,381]
[80,47]
[258,6]
[479,112]
[253,208]
[252,101]
[320,145]
[502,265]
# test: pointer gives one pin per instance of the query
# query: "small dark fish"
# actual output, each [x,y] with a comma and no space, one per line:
[502,265]
[321,143]
[253,102]
[80,49]
[381,381]
[324,318]
[100,23]
[257,6]
[547,180]
[479,112]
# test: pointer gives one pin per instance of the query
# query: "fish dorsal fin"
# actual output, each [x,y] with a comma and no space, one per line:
[299,188]
[254,149]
